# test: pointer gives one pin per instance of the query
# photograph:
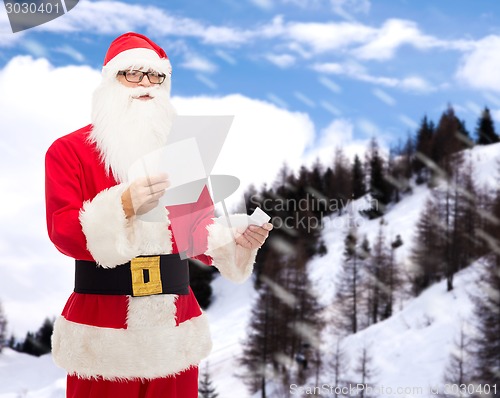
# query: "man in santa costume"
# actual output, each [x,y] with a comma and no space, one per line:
[133,327]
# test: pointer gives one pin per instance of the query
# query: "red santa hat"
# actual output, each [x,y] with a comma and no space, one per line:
[133,50]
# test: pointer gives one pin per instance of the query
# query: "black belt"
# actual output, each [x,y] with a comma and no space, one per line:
[142,276]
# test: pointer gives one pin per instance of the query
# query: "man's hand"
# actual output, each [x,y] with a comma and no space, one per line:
[254,236]
[144,194]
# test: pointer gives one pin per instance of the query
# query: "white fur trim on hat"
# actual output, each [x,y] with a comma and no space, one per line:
[137,58]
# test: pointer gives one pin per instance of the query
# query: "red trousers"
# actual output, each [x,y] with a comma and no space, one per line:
[184,385]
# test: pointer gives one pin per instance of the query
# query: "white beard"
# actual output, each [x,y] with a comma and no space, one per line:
[125,128]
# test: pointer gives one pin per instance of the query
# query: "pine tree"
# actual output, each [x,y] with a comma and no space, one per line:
[485,130]
[259,347]
[358,179]
[347,301]
[206,389]
[285,326]
[456,202]
[380,190]
[341,180]
[383,279]
[426,253]
[395,278]
[38,343]
[3,328]
[400,167]
[377,284]
[486,343]
[423,148]
[466,222]
[449,138]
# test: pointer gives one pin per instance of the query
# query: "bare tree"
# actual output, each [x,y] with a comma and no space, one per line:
[458,370]
[365,372]
[339,365]
[3,328]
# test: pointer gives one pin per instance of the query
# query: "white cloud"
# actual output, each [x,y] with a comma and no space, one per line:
[322,37]
[344,8]
[338,134]
[357,71]
[114,17]
[198,63]
[393,34]
[329,67]
[281,60]
[306,39]
[480,67]
[264,4]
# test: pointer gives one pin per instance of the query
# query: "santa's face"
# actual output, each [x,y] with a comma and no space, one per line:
[129,120]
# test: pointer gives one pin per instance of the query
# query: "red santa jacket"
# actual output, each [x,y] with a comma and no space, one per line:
[123,337]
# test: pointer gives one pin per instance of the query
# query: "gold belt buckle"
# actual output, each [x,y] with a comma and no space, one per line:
[146,277]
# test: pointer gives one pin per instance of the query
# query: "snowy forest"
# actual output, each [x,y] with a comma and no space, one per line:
[297,332]
[460,224]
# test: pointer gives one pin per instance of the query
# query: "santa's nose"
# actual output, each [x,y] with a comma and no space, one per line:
[145,82]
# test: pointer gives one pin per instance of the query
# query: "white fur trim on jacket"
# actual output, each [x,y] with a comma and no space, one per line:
[112,239]
[110,236]
[138,352]
[233,261]
[153,237]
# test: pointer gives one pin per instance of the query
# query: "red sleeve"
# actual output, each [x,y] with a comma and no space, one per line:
[189,226]
[202,217]
[64,199]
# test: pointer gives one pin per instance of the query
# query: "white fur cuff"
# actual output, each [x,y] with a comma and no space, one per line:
[117,354]
[233,261]
[110,236]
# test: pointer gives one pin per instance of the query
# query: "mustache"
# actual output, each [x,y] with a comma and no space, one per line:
[140,91]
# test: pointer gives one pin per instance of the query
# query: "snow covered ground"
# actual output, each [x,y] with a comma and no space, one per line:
[409,350]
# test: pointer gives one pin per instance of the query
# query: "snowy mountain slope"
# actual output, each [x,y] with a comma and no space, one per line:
[411,349]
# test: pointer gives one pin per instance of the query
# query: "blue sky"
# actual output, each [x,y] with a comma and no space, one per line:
[380,65]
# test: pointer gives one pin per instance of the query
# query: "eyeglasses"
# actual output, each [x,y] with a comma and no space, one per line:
[136,76]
